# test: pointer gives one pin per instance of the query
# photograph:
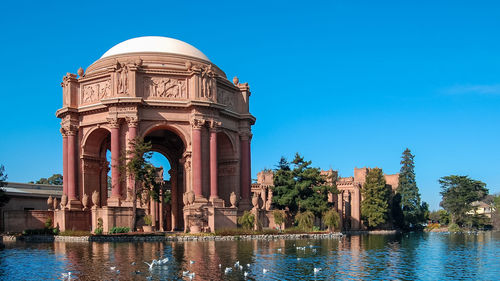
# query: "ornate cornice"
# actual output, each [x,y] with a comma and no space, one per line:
[197,123]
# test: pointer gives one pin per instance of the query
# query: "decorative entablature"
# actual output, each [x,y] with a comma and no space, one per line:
[159,80]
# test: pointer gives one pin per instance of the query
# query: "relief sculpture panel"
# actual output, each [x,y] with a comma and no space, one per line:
[96,92]
[225,97]
[163,87]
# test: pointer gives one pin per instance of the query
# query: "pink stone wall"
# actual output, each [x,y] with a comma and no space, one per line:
[17,221]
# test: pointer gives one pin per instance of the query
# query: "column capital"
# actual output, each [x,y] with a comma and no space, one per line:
[246,135]
[215,125]
[132,121]
[63,133]
[197,123]
[114,123]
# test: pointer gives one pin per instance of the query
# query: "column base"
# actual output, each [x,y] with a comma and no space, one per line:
[74,204]
[245,205]
[114,201]
[200,199]
[217,202]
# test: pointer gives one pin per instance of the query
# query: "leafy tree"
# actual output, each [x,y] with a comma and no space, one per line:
[247,220]
[55,179]
[137,163]
[279,217]
[300,187]
[4,199]
[440,216]
[458,193]
[495,216]
[412,211]
[305,220]
[331,219]
[376,194]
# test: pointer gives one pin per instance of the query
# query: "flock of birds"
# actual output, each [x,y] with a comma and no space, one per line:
[191,275]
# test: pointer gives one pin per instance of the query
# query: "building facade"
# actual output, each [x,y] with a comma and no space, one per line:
[169,93]
[347,202]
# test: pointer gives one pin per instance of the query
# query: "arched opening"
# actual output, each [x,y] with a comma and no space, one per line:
[168,149]
[96,159]
[227,166]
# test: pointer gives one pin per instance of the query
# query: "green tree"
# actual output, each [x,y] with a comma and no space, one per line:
[458,193]
[375,205]
[305,220]
[137,163]
[301,187]
[4,199]
[55,179]
[412,210]
[247,220]
[331,219]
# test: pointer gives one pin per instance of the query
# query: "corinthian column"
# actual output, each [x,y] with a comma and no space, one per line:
[71,170]
[214,192]
[115,163]
[197,158]
[65,161]
[132,134]
[245,169]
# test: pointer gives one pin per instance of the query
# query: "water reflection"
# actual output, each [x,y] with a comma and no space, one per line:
[363,257]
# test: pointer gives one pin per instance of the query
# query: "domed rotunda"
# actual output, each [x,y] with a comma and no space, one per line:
[170,94]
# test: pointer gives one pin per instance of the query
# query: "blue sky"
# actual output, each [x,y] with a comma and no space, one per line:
[345,83]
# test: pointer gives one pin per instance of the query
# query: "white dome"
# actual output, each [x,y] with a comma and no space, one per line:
[155,44]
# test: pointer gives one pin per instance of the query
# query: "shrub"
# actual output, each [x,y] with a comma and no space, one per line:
[453,227]
[305,220]
[48,223]
[279,217]
[331,219]
[148,220]
[75,233]
[99,229]
[119,229]
[247,220]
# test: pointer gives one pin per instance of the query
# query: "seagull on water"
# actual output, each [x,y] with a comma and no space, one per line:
[245,274]
[185,273]
[191,262]
[316,270]
[227,270]
[237,264]
[264,271]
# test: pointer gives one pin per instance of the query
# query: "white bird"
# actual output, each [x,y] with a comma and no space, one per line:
[191,275]
[66,275]
[185,273]
[153,263]
[316,270]
[245,274]
[227,270]
[248,265]
[220,265]
[113,268]
[298,259]
[133,263]
[237,264]
[264,271]
[191,262]
[279,250]
[241,267]
[163,261]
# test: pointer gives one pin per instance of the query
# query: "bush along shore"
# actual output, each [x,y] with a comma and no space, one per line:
[136,237]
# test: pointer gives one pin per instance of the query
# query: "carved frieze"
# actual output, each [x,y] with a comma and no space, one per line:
[225,97]
[164,87]
[96,92]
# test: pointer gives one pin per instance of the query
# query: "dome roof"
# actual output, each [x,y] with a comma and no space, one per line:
[155,44]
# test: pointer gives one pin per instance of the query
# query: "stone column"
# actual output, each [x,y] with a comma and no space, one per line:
[132,134]
[72,192]
[245,169]
[214,193]
[65,161]
[115,162]
[340,207]
[161,226]
[174,200]
[197,159]
[355,210]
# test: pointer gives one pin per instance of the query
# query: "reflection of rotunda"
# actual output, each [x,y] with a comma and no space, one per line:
[169,93]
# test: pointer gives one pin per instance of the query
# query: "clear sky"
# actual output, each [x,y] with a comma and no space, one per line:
[345,83]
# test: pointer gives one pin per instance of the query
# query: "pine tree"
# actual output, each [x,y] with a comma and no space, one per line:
[302,188]
[412,210]
[376,195]
[4,199]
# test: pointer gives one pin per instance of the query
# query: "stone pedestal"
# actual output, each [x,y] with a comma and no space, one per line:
[72,220]
[74,204]
[115,202]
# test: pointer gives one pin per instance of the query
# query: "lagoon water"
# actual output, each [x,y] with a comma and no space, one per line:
[413,256]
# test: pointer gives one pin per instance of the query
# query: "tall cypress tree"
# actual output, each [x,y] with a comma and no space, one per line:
[408,192]
[4,199]
[376,195]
